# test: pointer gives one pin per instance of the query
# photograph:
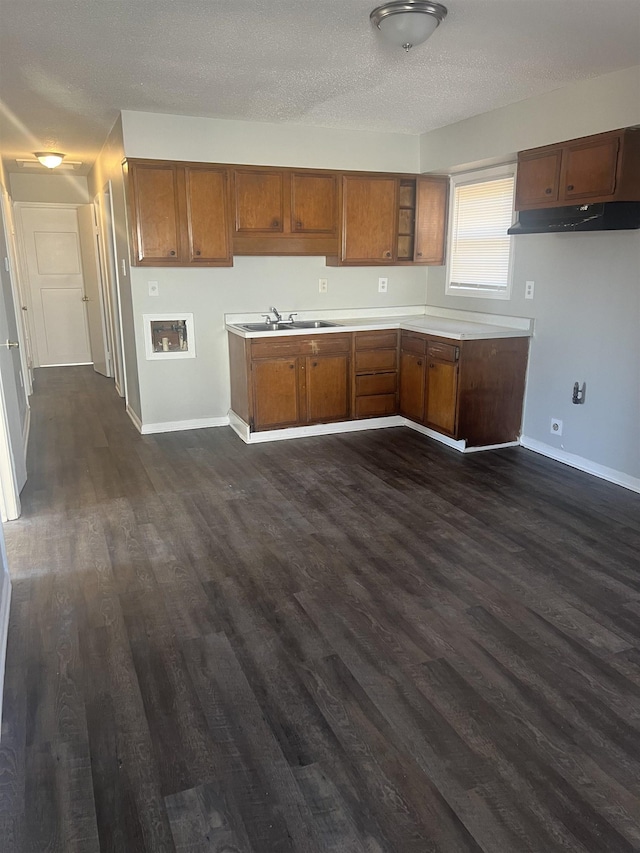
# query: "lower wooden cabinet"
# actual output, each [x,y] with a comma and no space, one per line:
[291,381]
[468,390]
[375,373]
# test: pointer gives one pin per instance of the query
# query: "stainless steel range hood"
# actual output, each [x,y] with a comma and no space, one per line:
[604,216]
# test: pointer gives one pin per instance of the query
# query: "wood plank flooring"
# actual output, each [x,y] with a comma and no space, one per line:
[365,643]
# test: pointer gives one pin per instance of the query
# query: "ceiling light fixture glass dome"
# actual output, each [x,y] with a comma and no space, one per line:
[50,159]
[408,22]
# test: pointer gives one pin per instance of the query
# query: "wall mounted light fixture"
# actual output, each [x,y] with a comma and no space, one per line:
[50,159]
[408,22]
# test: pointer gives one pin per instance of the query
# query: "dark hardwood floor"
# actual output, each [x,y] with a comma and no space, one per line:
[364,643]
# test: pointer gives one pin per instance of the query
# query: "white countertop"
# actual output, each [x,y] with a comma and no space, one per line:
[428,324]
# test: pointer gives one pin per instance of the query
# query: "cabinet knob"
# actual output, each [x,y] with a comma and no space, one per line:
[570,187]
[387,254]
[291,366]
[298,224]
[418,254]
[172,252]
[197,251]
[314,364]
[548,190]
[419,363]
[432,364]
[275,223]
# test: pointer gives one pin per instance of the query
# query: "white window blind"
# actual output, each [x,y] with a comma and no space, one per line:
[480,247]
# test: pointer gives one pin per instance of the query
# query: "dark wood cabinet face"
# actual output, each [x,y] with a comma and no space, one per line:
[538,179]
[155,194]
[327,388]
[412,385]
[207,216]
[441,395]
[259,201]
[313,203]
[589,170]
[276,397]
[431,221]
[600,168]
[369,219]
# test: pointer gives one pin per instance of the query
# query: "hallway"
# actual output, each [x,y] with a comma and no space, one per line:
[365,642]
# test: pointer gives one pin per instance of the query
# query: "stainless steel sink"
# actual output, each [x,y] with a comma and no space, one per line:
[282,327]
[312,324]
[266,327]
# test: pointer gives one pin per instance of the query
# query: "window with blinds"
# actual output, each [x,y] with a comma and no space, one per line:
[479,247]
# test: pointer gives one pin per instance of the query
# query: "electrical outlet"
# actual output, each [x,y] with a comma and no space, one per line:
[556,426]
[153,288]
[528,289]
[383,283]
[323,285]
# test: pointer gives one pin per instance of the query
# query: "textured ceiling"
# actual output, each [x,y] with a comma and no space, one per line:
[67,67]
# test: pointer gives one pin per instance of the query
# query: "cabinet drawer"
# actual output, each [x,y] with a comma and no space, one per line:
[443,352]
[300,345]
[376,340]
[378,404]
[376,359]
[376,383]
[413,343]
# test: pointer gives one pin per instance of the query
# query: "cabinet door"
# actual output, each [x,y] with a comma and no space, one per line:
[538,179]
[327,386]
[155,213]
[369,211]
[207,216]
[442,395]
[313,204]
[276,397]
[431,221]
[412,385]
[259,200]
[589,169]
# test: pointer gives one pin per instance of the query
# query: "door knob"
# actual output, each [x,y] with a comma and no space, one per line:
[85,298]
[11,344]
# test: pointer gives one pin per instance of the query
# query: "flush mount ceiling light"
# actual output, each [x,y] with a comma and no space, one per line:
[408,22]
[50,159]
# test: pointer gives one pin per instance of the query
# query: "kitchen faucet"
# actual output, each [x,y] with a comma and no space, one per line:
[276,313]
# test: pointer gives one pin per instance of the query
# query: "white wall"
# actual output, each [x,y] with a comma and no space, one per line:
[168,137]
[46,187]
[590,106]
[192,389]
[587,286]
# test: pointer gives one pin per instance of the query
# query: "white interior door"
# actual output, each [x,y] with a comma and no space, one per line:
[88,233]
[13,398]
[110,279]
[53,259]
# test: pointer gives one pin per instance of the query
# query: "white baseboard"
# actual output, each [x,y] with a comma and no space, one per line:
[242,429]
[134,418]
[582,464]
[178,426]
[5,601]
[443,439]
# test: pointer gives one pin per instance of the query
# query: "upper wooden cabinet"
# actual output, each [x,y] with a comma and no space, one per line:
[179,214]
[190,214]
[392,219]
[284,211]
[604,167]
